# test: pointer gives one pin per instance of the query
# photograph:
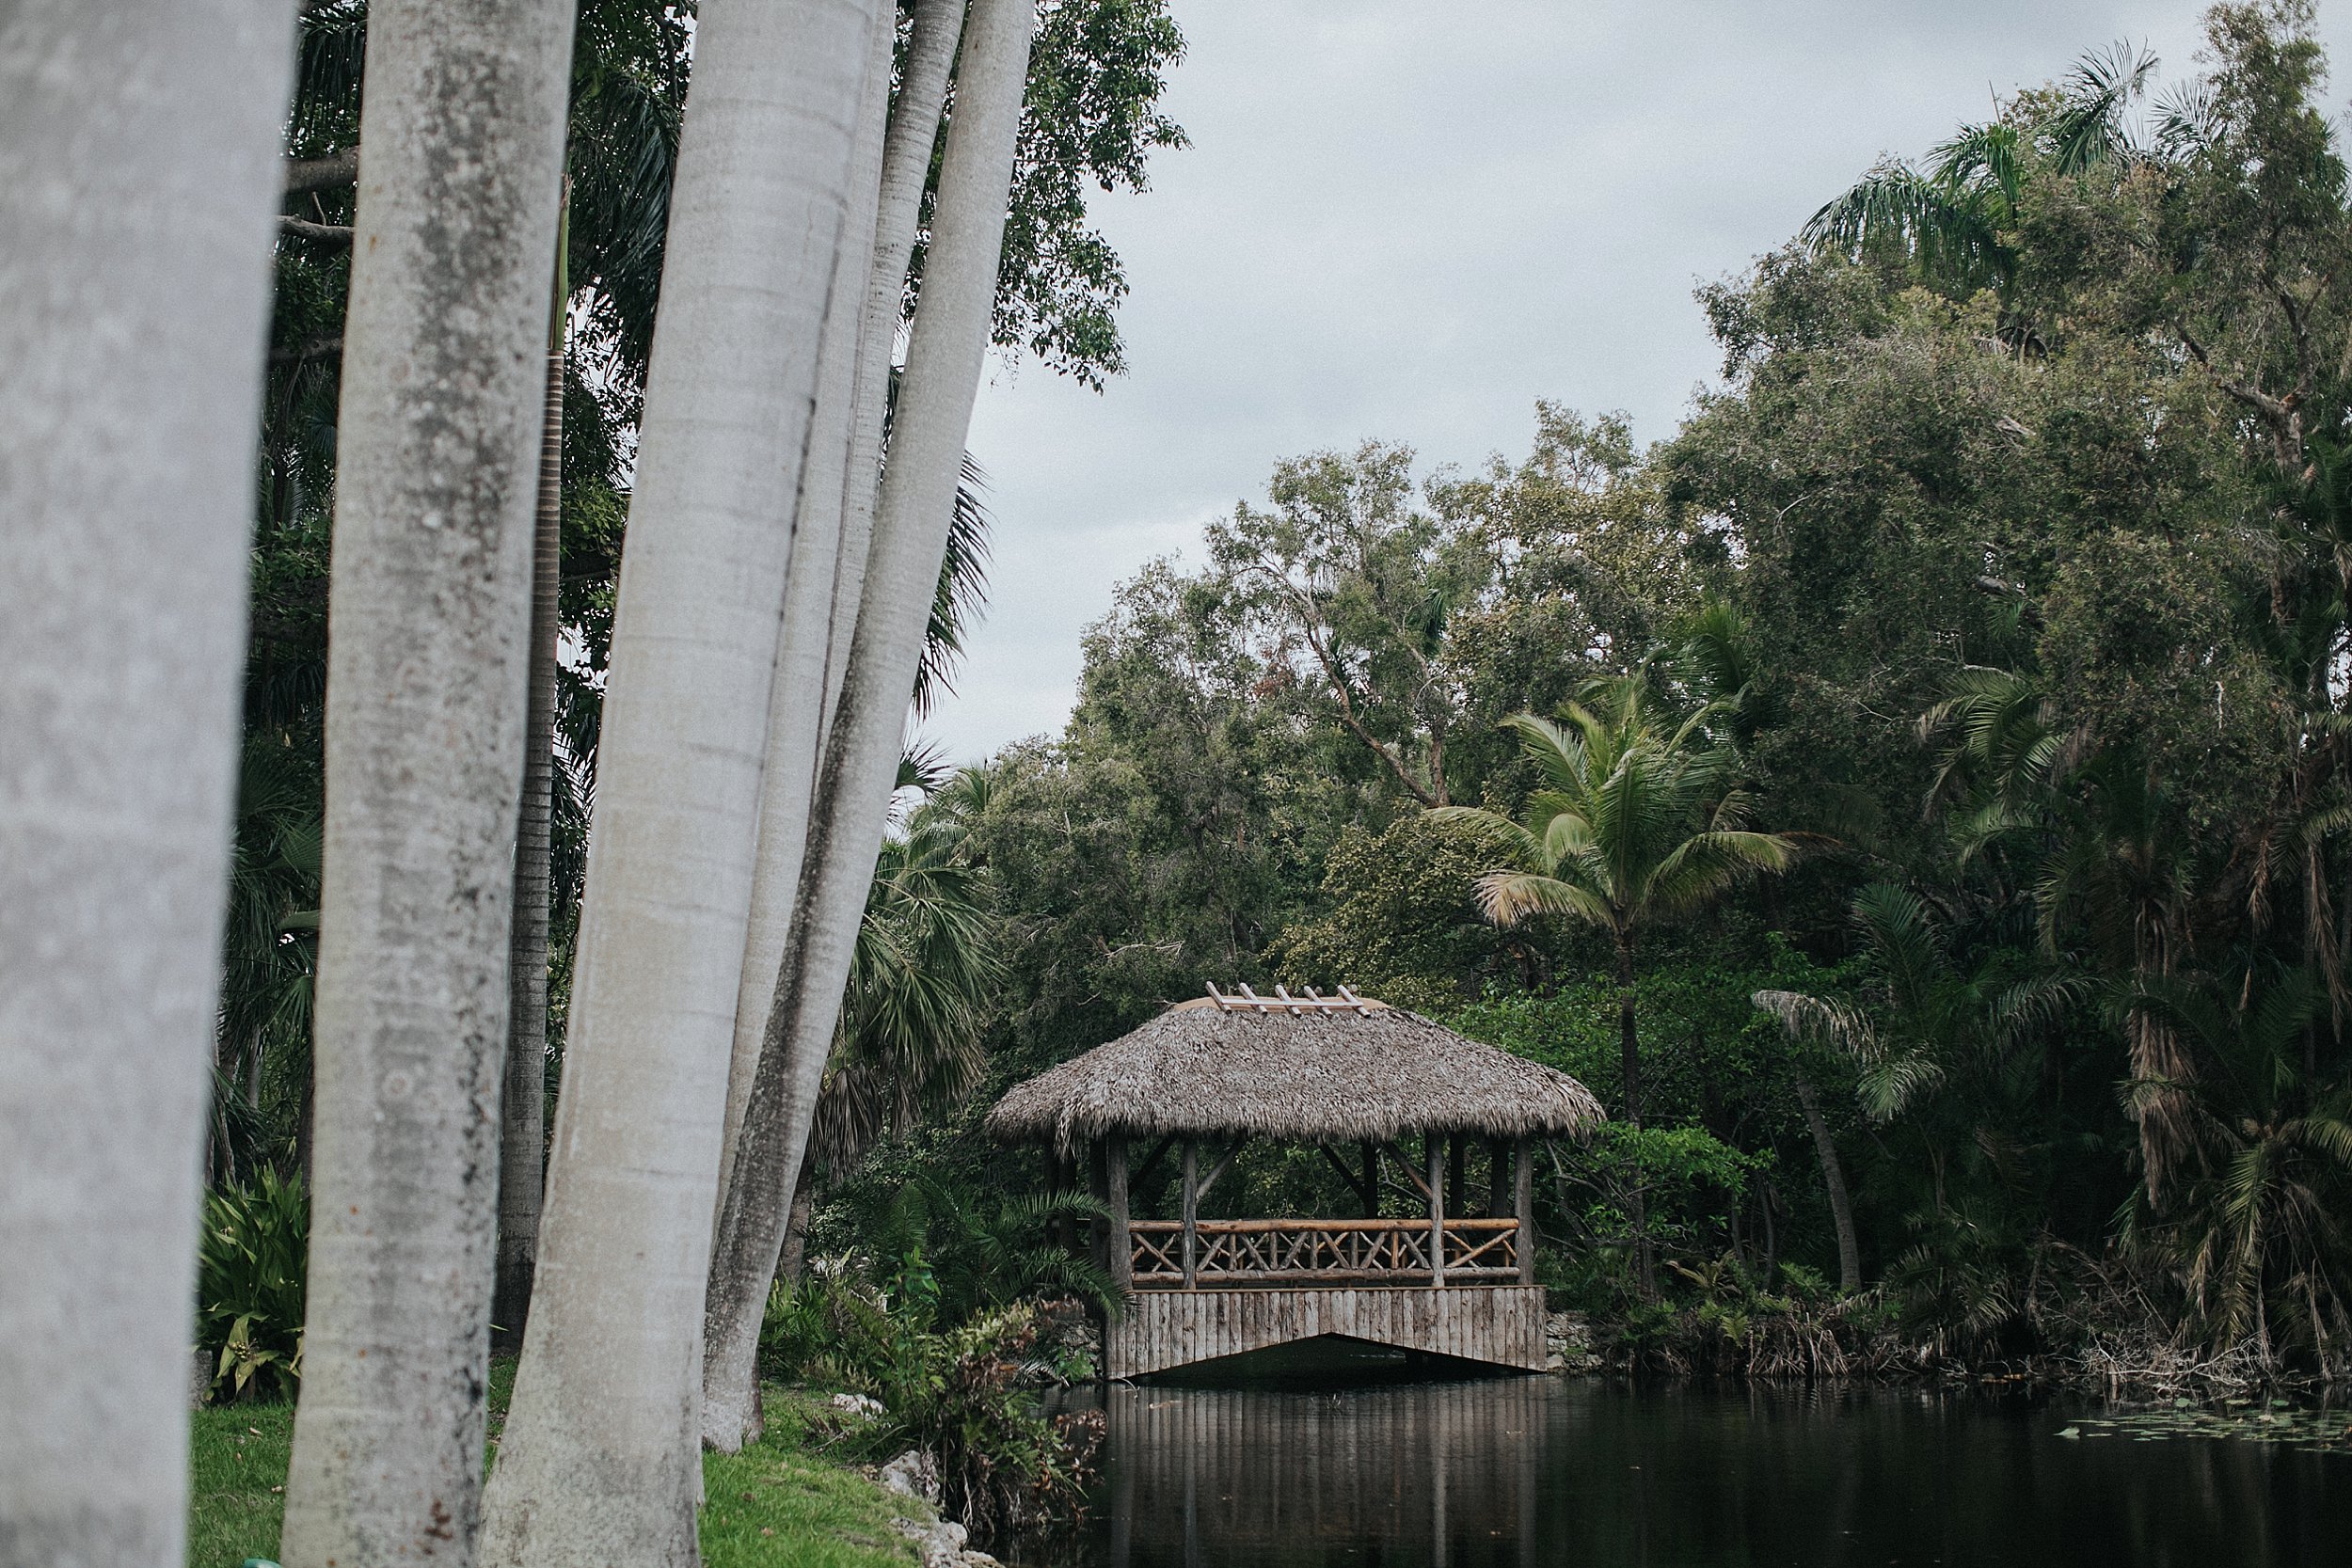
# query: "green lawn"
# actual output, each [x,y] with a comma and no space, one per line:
[776,1502]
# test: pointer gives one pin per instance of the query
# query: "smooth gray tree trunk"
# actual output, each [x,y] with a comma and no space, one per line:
[138,183]
[600,1459]
[523,1136]
[429,614]
[906,169]
[837,497]
[945,356]
[796,705]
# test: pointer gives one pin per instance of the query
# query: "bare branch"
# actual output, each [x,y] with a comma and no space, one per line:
[326,233]
[331,172]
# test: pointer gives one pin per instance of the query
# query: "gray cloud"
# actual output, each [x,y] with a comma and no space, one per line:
[1411,220]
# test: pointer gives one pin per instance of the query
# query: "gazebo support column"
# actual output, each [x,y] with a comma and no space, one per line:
[1122,1258]
[1524,1203]
[1434,1146]
[1099,1189]
[1192,1213]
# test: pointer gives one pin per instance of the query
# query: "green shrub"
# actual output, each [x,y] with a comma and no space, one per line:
[249,1286]
[963,1395]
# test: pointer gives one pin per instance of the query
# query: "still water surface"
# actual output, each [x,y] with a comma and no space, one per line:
[1547,1472]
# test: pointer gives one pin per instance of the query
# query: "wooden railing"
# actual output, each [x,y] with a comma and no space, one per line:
[1320,1252]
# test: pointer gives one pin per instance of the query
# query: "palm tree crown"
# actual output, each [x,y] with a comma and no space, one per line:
[1634,823]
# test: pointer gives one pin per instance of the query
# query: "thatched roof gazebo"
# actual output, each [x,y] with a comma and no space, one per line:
[1300,1070]
[1351,1077]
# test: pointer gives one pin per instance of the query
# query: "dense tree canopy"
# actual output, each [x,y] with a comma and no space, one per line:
[2010,557]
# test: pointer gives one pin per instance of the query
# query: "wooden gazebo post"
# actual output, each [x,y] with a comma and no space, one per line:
[1192,1212]
[1523,1205]
[1123,1257]
[1435,1161]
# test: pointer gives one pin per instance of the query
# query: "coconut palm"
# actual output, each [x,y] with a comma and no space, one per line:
[1635,824]
[139,169]
[1925,1025]
[1927,1021]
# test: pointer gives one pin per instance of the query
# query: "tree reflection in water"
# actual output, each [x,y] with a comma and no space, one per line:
[1540,1472]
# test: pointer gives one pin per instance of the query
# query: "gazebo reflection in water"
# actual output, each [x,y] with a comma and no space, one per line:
[1395,1103]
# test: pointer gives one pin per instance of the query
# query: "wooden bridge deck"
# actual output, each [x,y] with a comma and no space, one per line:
[1161,1330]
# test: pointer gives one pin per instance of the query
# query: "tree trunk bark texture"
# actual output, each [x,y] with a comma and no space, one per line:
[1834,1180]
[600,1458]
[522,1148]
[895,152]
[906,168]
[911,521]
[428,658]
[796,707]
[138,181]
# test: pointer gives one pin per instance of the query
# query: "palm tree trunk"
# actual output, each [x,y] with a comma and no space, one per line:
[1629,1061]
[796,707]
[1834,1180]
[912,519]
[823,613]
[906,169]
[138,175]
[523,1141]
[600,1462]
[428,661]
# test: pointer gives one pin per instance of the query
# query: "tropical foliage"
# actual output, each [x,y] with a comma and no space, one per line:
[1993,602]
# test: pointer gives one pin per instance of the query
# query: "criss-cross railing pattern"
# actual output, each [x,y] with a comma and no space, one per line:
[1338,1252]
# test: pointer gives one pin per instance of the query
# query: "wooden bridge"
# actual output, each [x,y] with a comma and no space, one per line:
[1341,1074]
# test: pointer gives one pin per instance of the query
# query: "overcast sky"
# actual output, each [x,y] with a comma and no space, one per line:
[1411,218]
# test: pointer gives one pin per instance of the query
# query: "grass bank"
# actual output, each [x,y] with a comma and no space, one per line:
[777,1502]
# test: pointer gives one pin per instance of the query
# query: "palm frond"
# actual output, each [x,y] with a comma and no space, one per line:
[1509,898]
[1825,1020]
[2089,131]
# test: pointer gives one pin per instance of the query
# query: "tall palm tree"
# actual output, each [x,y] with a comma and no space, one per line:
[598,1461]
[139,169]
[1635,824]
[914,512]
[523,1100]
[898,136]
[430,613]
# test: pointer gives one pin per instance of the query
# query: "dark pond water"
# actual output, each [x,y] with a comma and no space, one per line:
[1557,1471]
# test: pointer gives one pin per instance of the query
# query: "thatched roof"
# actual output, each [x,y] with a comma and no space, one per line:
[1330,1073]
